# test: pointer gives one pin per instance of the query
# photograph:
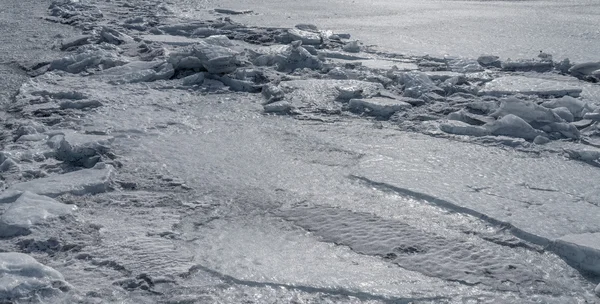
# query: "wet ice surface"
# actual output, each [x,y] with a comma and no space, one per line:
[215,162]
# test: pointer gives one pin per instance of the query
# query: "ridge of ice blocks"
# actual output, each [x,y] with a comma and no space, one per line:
[81,182]
[510,85]
[378,106]
[78,63]
[22,276]
[29,210]
[202,55]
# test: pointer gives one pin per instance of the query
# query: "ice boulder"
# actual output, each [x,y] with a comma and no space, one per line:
[577,107]
[81,182]
[79,149]
[194,79]
[565,129]
[416,84]
[462,128]
[295,57]
[584,69]
[21,276]
[489,61]
[378,106]
[138,71]
[513,126]
[564,113]
[202,55]
[74,41]
[279,107]
[29,210]
[352,47]
[77,63]
[472,119]
[272,93]
[115,37]
[348,92]
[527,110]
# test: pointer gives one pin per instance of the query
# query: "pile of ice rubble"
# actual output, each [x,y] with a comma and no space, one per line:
[304,72]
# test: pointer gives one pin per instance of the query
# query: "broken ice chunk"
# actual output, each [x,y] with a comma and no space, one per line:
[526,110]
[378,106]
[513,126]
[462,128]
[21,276]
[29,210]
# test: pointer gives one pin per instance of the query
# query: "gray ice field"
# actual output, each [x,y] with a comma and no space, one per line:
[299,152]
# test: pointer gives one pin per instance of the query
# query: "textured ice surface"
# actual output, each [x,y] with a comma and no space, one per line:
[529,86]
[29,210]
[81,182]
[21,276]
[431,254]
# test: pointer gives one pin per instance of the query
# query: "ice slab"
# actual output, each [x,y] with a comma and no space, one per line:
[29,210]
[378,106]
[581,250]
[82,182]
[510,85]
[138,71]
[308,38]
[22,276]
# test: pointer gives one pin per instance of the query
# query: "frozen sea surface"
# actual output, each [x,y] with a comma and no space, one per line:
[510,29]
[337,184]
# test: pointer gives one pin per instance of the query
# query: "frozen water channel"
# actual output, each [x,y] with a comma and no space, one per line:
[162,153]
